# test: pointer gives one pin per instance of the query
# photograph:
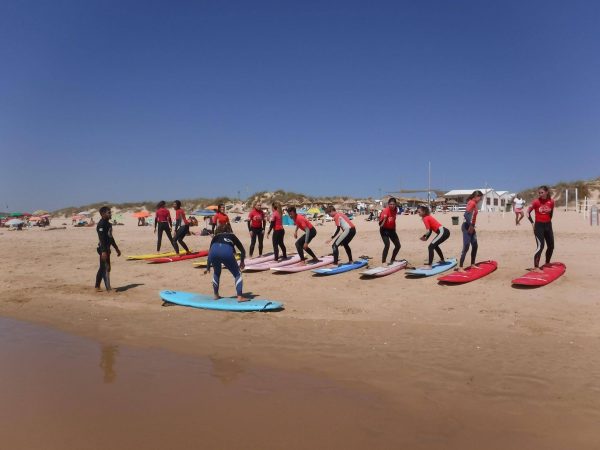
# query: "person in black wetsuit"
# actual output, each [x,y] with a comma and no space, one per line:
[105,241]
[182,225]
[222,251]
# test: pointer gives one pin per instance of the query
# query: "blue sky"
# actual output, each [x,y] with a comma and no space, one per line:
[134,100]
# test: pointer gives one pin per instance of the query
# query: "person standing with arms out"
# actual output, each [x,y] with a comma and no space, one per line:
[182,225]
[303,224]
[105,241]
[256,226]
[220,218]
[163,222]
[387,229]
[222,251]
[432,226]
[518,204]
[278,232]
[542,227]
[348,230]
[468,230]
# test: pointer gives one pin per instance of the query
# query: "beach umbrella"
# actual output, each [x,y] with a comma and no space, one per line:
[203,213]
[84,213]
[14,222]
[141,214]
[17,214]
[213,207]
[40,212]
[314,211]
[34,218]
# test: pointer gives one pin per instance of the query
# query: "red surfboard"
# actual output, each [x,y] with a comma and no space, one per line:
[551,272]
[183,257]
[479,270]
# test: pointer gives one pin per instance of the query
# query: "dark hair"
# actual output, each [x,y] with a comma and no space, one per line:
[291,209]
[177,204]
[425,209]
[104,209]
[220,204]
[330,209]
[475,194]
[276,206]
[392,199]
[545,188]
[223,228]
[160,204]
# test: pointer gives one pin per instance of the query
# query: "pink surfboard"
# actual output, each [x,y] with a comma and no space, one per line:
[479,270]
[272,264]
[260,259]
[550,273]
[301,267]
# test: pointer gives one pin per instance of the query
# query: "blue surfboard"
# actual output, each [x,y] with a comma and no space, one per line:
[223,304]
[435,269]
[342,268]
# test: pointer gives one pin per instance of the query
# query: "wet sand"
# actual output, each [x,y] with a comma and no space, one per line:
[482,365]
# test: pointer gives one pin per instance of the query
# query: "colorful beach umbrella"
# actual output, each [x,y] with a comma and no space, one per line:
[40,212]
[141,214]
[213,207]
[14,222]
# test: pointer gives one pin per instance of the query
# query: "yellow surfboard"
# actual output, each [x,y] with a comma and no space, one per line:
[153,255]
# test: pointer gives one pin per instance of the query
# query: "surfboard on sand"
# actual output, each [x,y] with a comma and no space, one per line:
[293,259]
[181,257]
[342,268]
[204,261]
[382,271]
[260,259]
[150,256]
[301,267]
[223,304]
[479,270]
[550,273]
[435,269]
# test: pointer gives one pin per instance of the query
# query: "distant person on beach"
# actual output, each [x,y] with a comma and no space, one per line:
[542,227]
[164,223]
[387,229]
[256,226]
[278,232]
[182,225]
[222,251]
[468,229]
[518,204]
[220,218]
[432,226]
[310,232]
[105,241]
[348,231]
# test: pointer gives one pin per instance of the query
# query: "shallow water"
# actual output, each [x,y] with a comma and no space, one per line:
[60,391]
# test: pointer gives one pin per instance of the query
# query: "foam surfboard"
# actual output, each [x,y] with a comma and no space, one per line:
[294,259]
[301,267]
[479,270]
[382,271]
[204,261]
[550,273]
[223,304]
[181,257]
[151,256]
[260,259]
[342,268]
[435,269]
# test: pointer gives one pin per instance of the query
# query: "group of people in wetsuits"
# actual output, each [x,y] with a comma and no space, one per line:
[224,243]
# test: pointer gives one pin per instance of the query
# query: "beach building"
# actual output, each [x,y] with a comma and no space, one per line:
[492,200]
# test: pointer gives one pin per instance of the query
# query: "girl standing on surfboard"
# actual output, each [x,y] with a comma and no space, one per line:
[222,251]
[348,232]
[387,229]
[468,229]
[163,222]
[220,218]
[182,225]
[278,231]
[303,224]
[256,226]
[432,226]
[542,227]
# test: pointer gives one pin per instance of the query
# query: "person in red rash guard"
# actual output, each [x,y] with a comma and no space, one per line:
[256,226]
[468,230]
[432,226]
[387,229]
[220,218]
[163,223]
[303,224]
[182,225]
[542,227]
[278,231]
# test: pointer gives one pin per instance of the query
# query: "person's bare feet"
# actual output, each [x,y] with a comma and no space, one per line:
[425,267]
[242,299]
[537,270]
[98,289]
[461,270]
[216,297]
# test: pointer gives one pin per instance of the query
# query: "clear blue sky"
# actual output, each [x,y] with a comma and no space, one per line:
[132,100]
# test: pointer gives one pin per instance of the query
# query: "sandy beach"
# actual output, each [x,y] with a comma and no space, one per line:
[481,365]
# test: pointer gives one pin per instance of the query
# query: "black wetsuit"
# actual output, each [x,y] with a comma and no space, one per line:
[105,241]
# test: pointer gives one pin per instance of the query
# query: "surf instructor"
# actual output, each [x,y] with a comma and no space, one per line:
[105,241]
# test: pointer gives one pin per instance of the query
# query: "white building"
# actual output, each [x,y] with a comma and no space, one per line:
[492,200]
